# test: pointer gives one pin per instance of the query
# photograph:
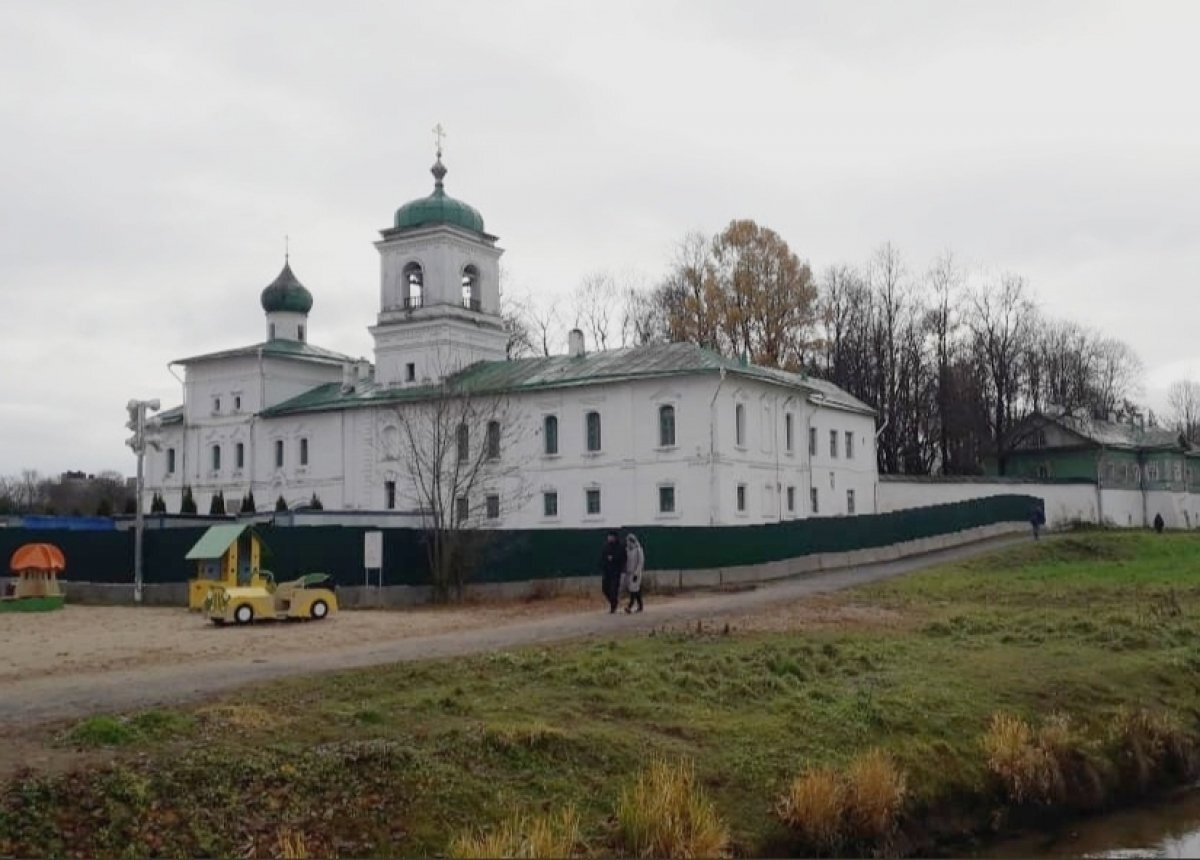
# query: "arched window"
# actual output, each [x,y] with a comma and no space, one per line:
[666,426]
[413,285]
[493,440]
[216,458]
[739,420]
[593,431]
[550,434]
[470,288]
[464,443]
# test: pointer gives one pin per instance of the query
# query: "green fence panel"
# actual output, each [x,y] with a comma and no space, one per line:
[512,555]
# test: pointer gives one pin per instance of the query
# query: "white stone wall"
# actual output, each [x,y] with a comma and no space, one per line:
[1065,503]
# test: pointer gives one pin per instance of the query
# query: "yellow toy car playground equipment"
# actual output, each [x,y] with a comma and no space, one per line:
[309,597]
[227,555]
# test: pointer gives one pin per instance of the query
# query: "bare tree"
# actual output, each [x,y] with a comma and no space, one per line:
[1000,325]
[515,318]
[1183,397]
[945,280]
[454,448]
[595,307]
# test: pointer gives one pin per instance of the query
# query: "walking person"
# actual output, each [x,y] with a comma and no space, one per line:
[635,564]
[1037,519]
[612,567]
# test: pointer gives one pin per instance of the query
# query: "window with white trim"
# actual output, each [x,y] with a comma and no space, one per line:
[814,500]
[666,499]
[592,501]
[462,509]
[849,501]
[788,432]
[812,441]
[550,434]
[170,461]
[216,458]
[592,422]
[278,453]
[849,445]
[239,455]
[833,444]
[666,426]
[304,452]
[739,425]
[493,507]
[791,500]
[741,498]
[550,504]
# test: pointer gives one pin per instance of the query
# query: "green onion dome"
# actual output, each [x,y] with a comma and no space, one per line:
[286,293]
[438,208]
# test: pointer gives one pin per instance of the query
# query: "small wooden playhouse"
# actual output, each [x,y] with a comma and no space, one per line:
[226,555]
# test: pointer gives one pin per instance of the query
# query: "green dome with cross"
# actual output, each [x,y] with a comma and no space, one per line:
[439,207]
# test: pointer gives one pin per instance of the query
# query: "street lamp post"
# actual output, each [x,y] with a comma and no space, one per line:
[138,442]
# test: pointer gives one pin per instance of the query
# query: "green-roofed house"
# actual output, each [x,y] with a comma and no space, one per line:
[668,434]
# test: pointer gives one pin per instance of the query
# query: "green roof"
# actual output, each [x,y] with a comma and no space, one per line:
[560,371]
[438,208]
[286,293]
[214,542]
[278,348]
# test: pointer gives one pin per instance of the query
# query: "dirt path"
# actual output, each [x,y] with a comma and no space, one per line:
[276,651]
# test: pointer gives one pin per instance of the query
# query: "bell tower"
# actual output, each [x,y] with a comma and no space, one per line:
[439,306]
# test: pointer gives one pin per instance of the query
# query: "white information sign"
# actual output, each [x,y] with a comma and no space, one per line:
[373,550]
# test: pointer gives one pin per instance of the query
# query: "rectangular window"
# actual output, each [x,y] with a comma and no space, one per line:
[666,500]
[849,501]
[216,404]
[461,509]
[216,458]
[303,452]
[741,498]
[788,422]
[410,372]
[791,500]
[300,333]
[493,440]
[550,434]
[813,500]
[849,445]
[278,453]
[593,431]
[833,480]
[464,443]
[550,504]
[272,332]
[812,441]
[739,425]
[170,461]
[237,403]
[833,444]
[493,507]
[239,456]
[666,426]
[389,493]
[593,501]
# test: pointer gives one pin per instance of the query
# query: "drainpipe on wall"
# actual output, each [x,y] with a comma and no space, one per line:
[875,454]
[712,452]
[183,437]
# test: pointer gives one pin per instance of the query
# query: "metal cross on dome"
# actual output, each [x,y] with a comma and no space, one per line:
[438,134]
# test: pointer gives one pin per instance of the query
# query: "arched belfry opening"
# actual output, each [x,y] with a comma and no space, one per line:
[412,285]
[470,288]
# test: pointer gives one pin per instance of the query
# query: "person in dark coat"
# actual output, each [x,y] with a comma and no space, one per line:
[612,566]
[1159,525]
[1037,519]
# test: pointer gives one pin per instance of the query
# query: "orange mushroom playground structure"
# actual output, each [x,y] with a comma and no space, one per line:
[36,566]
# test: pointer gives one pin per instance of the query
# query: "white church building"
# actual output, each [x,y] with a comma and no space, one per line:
[664,434]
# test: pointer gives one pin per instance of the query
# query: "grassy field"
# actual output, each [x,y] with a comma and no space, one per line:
[1090,638]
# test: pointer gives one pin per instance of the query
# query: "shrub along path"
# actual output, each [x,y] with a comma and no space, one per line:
[34,701]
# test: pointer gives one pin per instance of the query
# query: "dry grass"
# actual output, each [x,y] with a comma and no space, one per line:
[813,807]
[291,845]
[665,813]
[860,807]
[875,793]
[1150,747]
[1015,755]
[521,837]
[239,717]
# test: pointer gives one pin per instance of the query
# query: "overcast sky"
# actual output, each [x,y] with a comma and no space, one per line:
[154,155]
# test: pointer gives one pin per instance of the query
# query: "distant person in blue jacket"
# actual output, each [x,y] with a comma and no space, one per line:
[1037,519]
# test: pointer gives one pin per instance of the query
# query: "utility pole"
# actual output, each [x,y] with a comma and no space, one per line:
[138,442]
